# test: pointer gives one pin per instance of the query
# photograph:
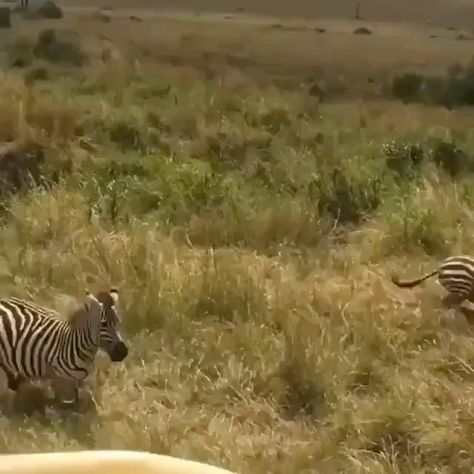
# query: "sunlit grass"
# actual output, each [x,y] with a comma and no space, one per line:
[252,233]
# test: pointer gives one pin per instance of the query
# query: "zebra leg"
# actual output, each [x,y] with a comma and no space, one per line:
[62,389]
[7,397]
[14,380]
[4,384]
[467,309]
[57,385]
[76,396]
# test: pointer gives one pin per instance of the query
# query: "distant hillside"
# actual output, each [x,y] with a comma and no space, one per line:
[446,12]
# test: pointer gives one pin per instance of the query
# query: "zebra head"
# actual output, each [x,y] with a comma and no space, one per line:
[110,340]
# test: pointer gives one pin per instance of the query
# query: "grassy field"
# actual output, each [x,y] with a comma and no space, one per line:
[444,12]
[252,231]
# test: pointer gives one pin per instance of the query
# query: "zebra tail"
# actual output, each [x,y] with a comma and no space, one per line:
[412,283]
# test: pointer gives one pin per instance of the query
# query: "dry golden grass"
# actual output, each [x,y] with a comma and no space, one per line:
[266,46]
[255,286]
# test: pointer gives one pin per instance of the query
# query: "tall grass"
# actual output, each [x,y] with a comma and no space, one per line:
[252,234]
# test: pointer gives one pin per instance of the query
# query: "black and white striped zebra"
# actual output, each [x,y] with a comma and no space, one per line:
[455,274]
[36,344]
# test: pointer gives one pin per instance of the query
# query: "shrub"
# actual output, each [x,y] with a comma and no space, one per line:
[434,89]
[126,136]
[455,89]
[345,199]
[362,31]
[450,158]
[50,10]
[275,119]
[20,51]
[459,86]
[59,47]
[36,73]
[5,21]
[407,87]
[402,157]
[414,226]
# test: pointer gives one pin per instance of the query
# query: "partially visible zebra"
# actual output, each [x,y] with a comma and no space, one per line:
[34,344]
[455,274]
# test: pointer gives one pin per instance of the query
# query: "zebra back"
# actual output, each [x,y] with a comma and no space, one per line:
[456,275]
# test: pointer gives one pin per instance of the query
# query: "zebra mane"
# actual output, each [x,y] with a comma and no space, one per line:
[105,297]
[80,313]
[76,316]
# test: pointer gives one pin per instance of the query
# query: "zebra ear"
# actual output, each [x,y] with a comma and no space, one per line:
[114,295]
[93,304]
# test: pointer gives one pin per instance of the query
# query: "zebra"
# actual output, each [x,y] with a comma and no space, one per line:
[455,274]
[35,344]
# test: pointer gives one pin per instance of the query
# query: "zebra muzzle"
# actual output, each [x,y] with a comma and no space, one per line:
[119,352]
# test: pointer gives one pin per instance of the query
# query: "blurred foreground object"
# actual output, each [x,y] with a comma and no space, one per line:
[103,462]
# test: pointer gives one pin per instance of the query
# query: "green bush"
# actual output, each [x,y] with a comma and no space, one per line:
[454,89]
[449,157]
[54,46]
[59,46]
[346,199]
[403,158]
[407,87]
[459,86]
[126,136]
[20,51]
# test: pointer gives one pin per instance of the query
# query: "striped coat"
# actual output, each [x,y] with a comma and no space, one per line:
[34,344]
[455,274]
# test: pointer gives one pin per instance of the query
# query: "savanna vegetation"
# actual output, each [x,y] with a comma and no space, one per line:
[250,199]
